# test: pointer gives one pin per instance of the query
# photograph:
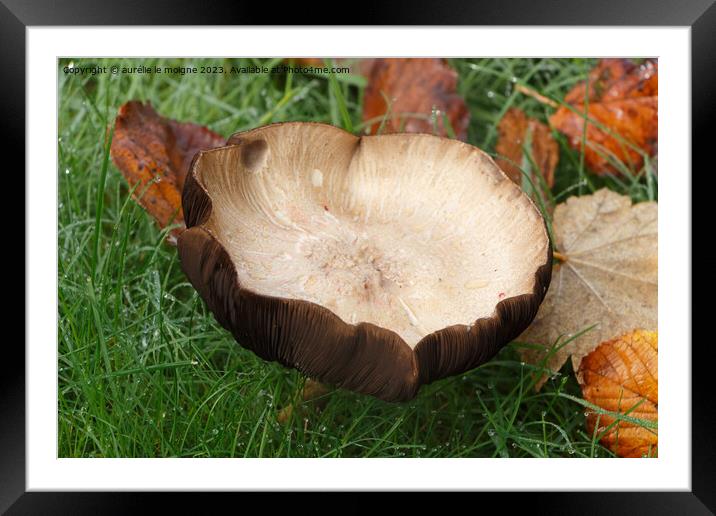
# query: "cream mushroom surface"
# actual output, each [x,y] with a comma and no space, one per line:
[410,233]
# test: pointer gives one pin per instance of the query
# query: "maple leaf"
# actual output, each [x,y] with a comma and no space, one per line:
[413,89]
[620,96]
[621,376]
[154,153]
[516,130]
[607,279]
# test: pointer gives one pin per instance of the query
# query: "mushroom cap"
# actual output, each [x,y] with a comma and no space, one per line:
[375,263]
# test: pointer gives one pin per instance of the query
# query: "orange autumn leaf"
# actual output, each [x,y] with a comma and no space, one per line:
[621,376]
[621,96]
[407,91]
[154,153]
[515,130]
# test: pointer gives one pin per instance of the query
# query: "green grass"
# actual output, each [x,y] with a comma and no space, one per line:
[145,371]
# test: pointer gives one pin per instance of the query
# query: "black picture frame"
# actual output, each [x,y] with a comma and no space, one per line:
[700,15]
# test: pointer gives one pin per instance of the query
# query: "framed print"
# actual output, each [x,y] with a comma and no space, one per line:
[370,258]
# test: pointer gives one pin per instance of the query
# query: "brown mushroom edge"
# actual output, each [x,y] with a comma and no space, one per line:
[306,336]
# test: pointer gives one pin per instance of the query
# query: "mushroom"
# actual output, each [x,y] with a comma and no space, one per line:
[375,263]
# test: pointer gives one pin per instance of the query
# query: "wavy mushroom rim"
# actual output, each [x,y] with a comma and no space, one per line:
[309,337]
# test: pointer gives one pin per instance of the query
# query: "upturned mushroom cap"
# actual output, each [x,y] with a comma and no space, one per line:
[375,263]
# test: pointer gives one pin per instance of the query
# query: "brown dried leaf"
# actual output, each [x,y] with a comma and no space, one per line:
[623,97]
[619,375]
[414,87]
[515,130]
[307,61]
[608,278]
[357,66]
[311,391]
[155,153]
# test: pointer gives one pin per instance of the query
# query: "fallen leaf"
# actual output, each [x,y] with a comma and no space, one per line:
[621,376]
[413,87]
[623,97]
[357,66]
[516,130]
[608,277]
[311,391]
[154,153]
[307,61]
